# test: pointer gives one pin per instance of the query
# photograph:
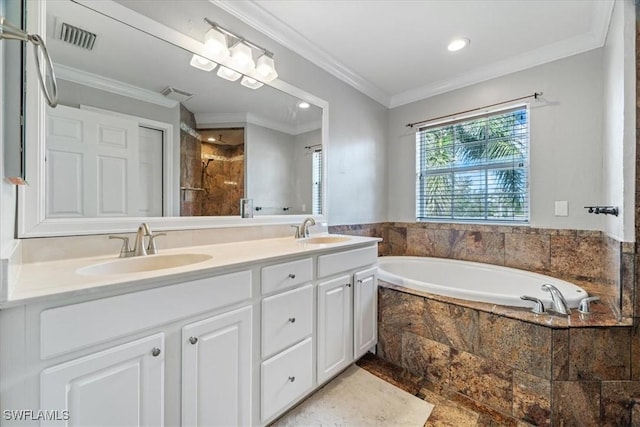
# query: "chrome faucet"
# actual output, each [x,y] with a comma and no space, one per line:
[304,228]
[560,305]
[139,246]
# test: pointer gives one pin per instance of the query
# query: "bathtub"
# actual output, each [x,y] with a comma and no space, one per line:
[473,281]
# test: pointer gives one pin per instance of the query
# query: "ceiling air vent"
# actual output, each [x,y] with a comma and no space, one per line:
[76,36]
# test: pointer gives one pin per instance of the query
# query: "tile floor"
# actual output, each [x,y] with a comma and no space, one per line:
[450,409]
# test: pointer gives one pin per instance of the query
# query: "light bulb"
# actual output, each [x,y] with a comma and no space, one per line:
[266,68]
[458,44]
[250,83]
[304,105]
[201,63]
[228,74]
[242,58]
[216,44]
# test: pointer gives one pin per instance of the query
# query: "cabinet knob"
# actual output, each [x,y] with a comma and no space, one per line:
[155,352]
[292,276]
[348,285]
[292,319]
[359,280]
[193,340]
[292,379]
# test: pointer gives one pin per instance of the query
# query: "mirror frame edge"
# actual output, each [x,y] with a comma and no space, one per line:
[31,206]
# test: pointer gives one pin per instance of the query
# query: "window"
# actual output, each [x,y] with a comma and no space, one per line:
[316,178]
[474,169]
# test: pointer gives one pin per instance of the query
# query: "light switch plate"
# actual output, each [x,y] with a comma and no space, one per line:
[562,208]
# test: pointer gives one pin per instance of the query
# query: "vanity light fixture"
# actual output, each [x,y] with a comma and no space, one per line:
[250,83]
[215,43]
[304,105]
[201,63]
[458,44]
[223,46]
[228,74]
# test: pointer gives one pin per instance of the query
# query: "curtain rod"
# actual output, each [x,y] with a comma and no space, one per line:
[535,95]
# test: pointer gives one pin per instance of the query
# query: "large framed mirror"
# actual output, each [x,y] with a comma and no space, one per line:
[142,135]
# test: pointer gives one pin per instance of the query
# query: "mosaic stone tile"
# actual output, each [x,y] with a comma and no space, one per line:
[617,402]
[531,398]
[521,345]
[425,357]
[575,403]
[527,252]
[600,353]
[487,381]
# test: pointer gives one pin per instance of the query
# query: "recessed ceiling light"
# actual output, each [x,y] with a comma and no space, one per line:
[304,105]
[458,44]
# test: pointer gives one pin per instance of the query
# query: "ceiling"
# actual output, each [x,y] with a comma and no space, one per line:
[395,51]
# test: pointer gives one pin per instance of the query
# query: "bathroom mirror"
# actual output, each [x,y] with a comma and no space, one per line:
[132,137]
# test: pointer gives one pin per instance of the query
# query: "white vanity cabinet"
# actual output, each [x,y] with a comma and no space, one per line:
[216,370]
[347,309]
[121,386]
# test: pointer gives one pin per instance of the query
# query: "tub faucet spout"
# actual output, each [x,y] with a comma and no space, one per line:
[558,302]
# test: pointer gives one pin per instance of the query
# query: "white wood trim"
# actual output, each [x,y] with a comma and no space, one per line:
[96,81]
[31,218]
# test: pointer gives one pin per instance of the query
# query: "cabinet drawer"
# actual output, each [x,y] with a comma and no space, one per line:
[286,319]
[68,328]
[342,261]
[286,377]
[286,275]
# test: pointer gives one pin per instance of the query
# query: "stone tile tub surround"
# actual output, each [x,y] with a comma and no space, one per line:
[590,259]
[541,374]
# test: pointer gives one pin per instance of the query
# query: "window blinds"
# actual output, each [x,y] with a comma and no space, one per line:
[316,194]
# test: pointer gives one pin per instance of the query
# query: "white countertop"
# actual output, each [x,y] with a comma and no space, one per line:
[59,279]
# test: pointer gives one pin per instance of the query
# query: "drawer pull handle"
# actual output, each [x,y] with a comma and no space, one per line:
[193,340]
[292,379]
[292,276]
[292,319]
[155,352]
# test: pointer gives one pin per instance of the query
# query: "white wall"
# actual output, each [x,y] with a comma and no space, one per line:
[565,138]
[619,121]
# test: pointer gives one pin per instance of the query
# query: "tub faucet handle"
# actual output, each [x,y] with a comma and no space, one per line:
[538,307]
[585,304]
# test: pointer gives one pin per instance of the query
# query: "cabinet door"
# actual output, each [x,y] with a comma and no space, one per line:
[121,386]
[216,370]
[365,311]
[335,350]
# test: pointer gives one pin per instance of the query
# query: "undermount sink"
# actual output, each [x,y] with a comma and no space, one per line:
[325,239]
[142,263]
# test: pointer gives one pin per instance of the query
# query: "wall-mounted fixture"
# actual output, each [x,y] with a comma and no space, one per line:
[8,31]
[223,46]
[606,210]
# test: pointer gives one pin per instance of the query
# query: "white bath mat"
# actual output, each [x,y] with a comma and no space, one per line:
[358,398]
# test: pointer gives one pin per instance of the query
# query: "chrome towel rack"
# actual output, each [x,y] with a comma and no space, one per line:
[8,31]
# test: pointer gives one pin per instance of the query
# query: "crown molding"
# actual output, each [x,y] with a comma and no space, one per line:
[106,84]
[255,16]
[258,18]
[204,120]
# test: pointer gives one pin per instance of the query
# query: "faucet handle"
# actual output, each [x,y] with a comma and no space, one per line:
[297,233]
[585,304]
[538,307]
[125,251]
[151,247]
